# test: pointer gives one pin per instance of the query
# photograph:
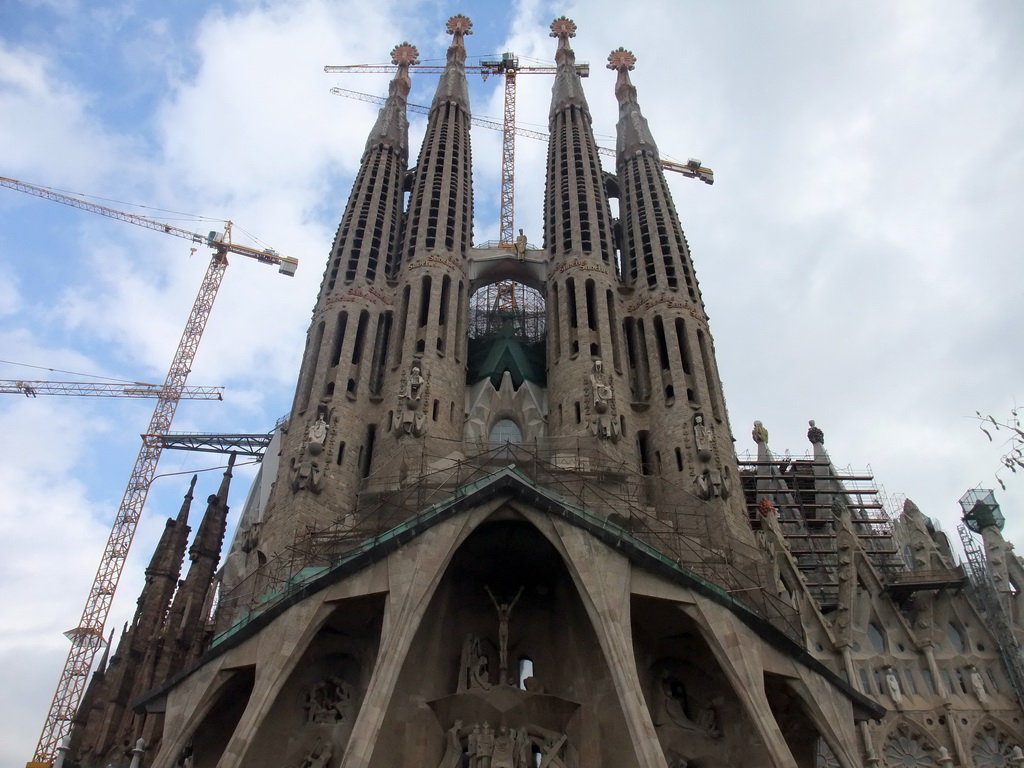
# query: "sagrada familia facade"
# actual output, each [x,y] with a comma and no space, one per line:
[489,537]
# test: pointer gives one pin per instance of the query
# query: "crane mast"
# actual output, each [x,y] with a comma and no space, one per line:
[87,638]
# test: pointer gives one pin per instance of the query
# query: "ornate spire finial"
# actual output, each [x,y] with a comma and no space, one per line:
[459,25]
[815,435]
[405,54]
[760,433]
[563,28]
[621,59]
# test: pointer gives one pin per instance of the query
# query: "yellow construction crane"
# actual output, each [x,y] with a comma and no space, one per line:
[88,389]
[509,67]
[87,638]
[693,169]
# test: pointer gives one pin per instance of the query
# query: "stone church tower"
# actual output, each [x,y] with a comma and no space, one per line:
[500,541]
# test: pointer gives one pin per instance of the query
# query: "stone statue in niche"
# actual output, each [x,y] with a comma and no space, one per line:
[977,684]
[671,707]
[504,612]
[604,423]
[410,418]
[893,686]
[473,672]
[702,437]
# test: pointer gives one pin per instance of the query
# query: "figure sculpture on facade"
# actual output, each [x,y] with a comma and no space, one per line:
[317,435]
[893,686]
[604,423]
[484,746]
[977,684]
[702,437]
[307,475]
[410,418]
[472,666]
[504,612]
[453,747]
[521,246]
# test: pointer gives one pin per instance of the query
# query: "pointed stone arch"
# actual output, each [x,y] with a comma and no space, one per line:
[505,593]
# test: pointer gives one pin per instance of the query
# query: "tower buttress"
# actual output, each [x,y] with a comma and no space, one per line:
[670,353]
[425,384]
[339,398]
[586,389]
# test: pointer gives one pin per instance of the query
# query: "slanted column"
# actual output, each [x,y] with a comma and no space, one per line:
[587,384]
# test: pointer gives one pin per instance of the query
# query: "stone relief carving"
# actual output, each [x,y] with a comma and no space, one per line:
[482,745]
[307,472]
[995,749]
[908,746]
[329,710]
[702,436]
[712,484]
[330,701]
[684,713]
[501,725]
[410,415]
[604,421]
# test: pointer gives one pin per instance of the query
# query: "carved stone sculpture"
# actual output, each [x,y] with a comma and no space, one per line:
[893,685]
[702,437]
[604,423]
[504,612]
[307,475]
[410,419]
[473,672]
[330,701]
[759,433]
[521,246]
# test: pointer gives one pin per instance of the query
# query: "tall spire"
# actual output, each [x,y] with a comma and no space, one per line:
[440,212]
[577,217]
[452,87]
[366,246]
[634,135]
[392,127]
[567,90]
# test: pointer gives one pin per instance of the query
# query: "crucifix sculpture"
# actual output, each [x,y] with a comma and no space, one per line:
[504,611]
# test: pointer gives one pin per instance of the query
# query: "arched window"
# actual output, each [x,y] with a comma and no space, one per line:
[505,431]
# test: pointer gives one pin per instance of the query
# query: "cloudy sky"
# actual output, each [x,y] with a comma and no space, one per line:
[859,253]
